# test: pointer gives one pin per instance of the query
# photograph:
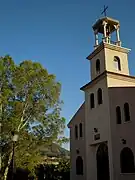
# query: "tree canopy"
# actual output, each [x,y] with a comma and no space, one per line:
[30,106]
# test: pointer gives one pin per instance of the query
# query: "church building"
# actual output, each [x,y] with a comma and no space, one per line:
[102,131]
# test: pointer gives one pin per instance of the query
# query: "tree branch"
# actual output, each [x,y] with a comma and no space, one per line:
[22,118]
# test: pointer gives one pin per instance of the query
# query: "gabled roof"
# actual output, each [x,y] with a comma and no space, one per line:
[80,110]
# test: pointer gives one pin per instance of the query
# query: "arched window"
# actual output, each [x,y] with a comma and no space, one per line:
[92,104]
[126,112]
[76,131]
[79,166]
[80,129]
[117,63]
[98,66]
[118,115]
[127,161]
[99,96]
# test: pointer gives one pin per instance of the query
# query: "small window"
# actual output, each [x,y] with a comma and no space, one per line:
[79,165]
[127,161]
[80,129]
[76,131]
[126,112]
[117,64]
[98,66]
[99,96]
[118,115]
[92,104]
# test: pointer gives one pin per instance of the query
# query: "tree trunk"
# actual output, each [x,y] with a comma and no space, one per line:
[7,168]
[11,154]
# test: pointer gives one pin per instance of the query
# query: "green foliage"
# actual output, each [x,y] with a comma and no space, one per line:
[60,170]
[30,105]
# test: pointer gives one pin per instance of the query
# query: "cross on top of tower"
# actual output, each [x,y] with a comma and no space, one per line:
[104,11]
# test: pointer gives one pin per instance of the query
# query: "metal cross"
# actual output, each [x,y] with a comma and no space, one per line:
[104,11]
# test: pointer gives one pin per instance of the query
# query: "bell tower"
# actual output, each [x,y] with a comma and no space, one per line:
[108,54]
[106,26]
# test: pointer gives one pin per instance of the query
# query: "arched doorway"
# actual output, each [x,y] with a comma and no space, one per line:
[102,162]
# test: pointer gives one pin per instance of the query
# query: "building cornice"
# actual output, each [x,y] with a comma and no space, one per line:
[123,77]
[108,74]
[104,45]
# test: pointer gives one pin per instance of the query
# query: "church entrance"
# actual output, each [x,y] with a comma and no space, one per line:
[102,162]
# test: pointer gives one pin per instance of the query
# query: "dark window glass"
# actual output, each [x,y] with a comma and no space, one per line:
[118,115]
[80,129]
[92,104]
[99,96]
[126,112]
[79,166]
[98,66]
[76,131]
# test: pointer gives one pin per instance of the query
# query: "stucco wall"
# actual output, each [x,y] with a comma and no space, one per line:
[106,57]
[101,57]
[126,130]
[77,144]
[115,81]
[98,117]
[109,62]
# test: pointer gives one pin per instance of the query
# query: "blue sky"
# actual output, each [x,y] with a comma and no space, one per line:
[58,34]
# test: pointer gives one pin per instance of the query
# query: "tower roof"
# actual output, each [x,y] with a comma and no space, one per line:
[99,24]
